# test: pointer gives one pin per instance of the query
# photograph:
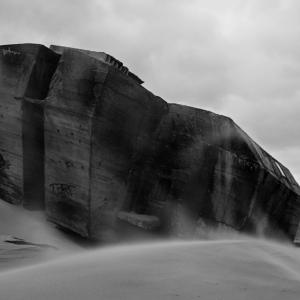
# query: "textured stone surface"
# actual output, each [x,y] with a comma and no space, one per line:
[25,74]
[143,221]
[112,146]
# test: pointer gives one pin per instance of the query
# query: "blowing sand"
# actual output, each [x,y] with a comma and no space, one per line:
[225,269]
[232,269]
[32,227]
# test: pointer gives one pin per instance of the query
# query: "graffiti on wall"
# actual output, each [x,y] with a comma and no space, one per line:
[63,190]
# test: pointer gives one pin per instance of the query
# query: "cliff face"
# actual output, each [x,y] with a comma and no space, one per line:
[113,151]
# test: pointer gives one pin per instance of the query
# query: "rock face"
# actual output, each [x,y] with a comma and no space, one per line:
[81,137]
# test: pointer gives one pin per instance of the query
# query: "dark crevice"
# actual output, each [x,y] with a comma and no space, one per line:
[41,75]
[33,128]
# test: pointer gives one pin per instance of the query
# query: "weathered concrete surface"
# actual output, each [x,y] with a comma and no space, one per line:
[92,132]
[101,56]
[111,146]
[25,73]
[143,221]
[297,236]
[208,170]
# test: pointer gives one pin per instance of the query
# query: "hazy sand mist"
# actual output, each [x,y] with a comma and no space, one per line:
[224,269]
[234,268]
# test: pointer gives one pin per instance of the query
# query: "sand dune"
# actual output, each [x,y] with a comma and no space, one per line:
[236,268]
[32,227]
[225,269]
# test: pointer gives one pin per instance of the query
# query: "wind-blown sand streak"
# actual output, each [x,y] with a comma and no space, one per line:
[225,269]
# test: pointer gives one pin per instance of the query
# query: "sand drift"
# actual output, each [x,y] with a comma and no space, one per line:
[224,269]
[26,238]
[236,268]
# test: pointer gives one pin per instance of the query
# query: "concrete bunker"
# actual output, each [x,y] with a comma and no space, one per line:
[26,72]
[81,138]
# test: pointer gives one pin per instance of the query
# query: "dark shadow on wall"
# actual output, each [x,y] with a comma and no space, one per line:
[33,128]
[33,155]
[8,190]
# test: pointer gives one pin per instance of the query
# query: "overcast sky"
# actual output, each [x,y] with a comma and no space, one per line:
[240,58]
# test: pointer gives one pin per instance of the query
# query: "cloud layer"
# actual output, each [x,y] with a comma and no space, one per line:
[237,57]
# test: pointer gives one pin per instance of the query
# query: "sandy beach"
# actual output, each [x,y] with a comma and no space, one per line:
[224,269]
